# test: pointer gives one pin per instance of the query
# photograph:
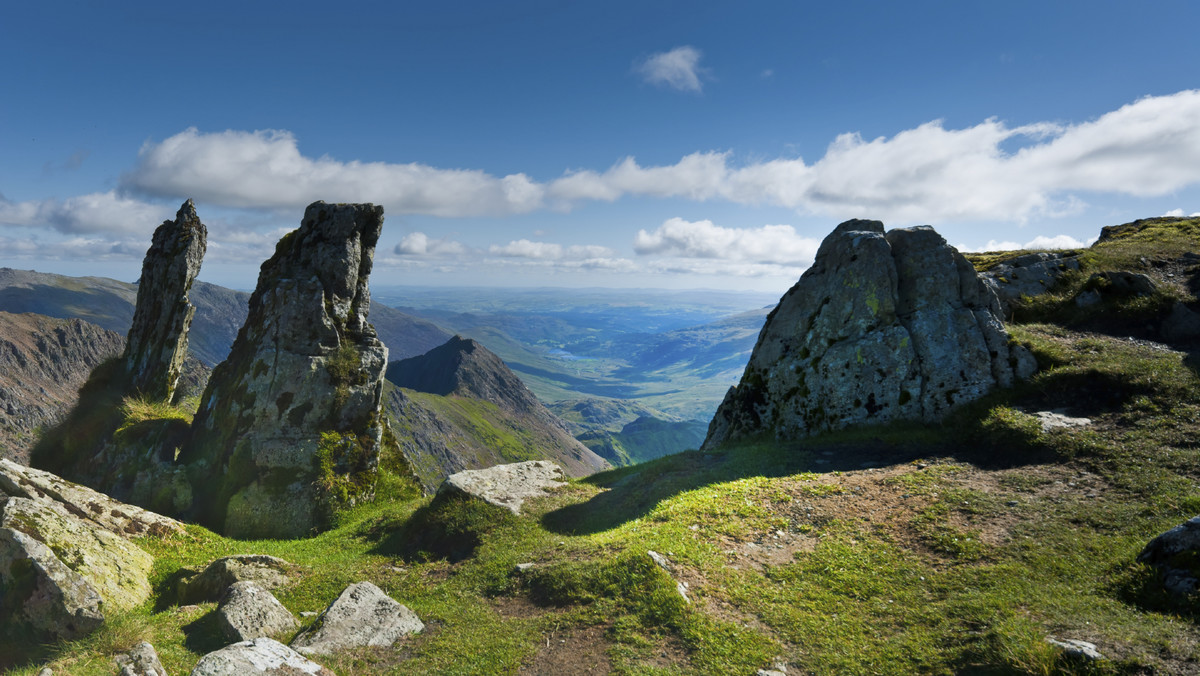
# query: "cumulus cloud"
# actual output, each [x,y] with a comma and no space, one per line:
[266,169]
[1039,242]
[777,244]
[102,212]
[420,244]
[678,69]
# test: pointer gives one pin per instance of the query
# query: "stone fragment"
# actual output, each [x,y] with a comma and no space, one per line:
[114,567]
[50,489]
[880,328]
[506,486]
[157,342]
[289,427]
[42,593]
[1075,648]
[258,657]
[1175,553]
[1028,275]
[249,611]
[142,660]
[362,616]
[268,572]
[1057,419]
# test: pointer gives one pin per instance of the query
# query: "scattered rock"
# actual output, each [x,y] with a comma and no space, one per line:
[158,338]
[1029,275]
[141,661]
[664,563]
[1175,553]
[303,380]
[522,567]
[49,489]
[115,568]
[258,657]
[880,328]
[1057,419]
[1076,649]
[43,593]
[249,611]
[362,616]
[268,572]
[507,486]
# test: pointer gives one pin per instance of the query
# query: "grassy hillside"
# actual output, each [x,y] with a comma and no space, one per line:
[941,549]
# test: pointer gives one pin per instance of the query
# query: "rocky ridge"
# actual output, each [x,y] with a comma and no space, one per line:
[882,327]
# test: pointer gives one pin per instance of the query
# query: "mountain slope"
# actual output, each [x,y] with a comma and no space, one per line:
[459,407]
[43,362]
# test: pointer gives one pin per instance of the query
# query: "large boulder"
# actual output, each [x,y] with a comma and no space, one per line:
[157,342]
[506,486]
[248,611]
[362,616]
[257,657]
[880,328]
[40,592]
[288,429]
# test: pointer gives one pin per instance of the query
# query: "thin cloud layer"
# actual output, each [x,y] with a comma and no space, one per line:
[524,248]
[777,244]
[925,174]
[677,69]
[421,245]
[95,213]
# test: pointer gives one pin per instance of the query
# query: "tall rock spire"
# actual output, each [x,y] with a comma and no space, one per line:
[158,339]
[289,427]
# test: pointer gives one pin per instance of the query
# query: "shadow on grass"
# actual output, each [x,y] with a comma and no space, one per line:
[204,635]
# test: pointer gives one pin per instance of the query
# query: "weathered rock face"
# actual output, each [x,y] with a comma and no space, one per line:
[42,593]
[362,616]
[258,657]
[248,611]
[880,328]
[266,571]
[1029,275]
[506,486]
[289,427]
[158,339]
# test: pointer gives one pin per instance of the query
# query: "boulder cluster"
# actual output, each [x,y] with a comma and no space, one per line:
[882,327]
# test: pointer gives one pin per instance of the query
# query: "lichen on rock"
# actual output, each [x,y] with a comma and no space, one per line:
[306,365]
[882,327]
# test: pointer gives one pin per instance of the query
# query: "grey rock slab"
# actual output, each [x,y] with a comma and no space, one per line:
[506,486]
[47,488]
[1058,420]
[268,572]
[257,657]
[249,611]
[1076,648]
[361,616]
[142,660]
[46,595]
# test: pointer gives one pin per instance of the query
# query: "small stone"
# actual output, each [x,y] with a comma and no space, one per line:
[309,613]
[522,567]
[1075,648]
[1012,503]
[141,661]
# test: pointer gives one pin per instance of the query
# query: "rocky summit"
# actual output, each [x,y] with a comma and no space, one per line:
[289,428]
[158,339]
[882,327]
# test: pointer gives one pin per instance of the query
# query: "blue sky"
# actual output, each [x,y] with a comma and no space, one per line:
[654,144]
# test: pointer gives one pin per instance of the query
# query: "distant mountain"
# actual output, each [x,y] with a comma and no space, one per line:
[43,362]
[220,312]
[627,432]
[460,407]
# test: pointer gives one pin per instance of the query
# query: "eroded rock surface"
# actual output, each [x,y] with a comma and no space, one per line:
[142,660]
[258,657]
[249,611]
[42,593]
[362,616]
[880,328]
[288,428]
[157,342]
[506,486]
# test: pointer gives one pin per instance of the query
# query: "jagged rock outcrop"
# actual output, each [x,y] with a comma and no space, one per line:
[362,616]
[880,328]
[289,428]
[481,415]
[157,342]
[43,363]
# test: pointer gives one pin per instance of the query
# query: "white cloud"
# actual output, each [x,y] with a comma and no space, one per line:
[265,169]
[679,69]
[102,212]
[419,244]
[1174,213]
[777,244]
[1039,242]
[524,248]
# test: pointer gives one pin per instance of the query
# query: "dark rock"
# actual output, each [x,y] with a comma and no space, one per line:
[158,338]
[362,616]
[248,611]
[289,428]
[1181,325]
[1029,275]
[1175,554]
[880,328]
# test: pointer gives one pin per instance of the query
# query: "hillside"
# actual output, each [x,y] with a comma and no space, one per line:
[459,407]
[43,363]
[626,432]
[220,312]
[956,547]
